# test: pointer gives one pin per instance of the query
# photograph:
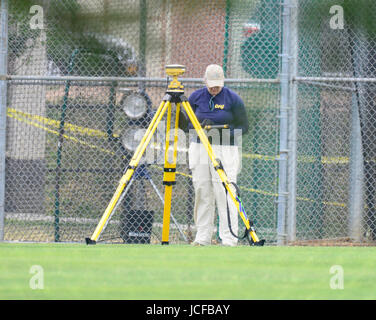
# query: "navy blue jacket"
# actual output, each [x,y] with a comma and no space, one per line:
[227,108]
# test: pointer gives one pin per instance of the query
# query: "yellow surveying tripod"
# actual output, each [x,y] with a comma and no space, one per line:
[174,94]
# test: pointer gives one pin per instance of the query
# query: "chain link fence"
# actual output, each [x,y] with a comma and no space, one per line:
[86,77]
[335,121]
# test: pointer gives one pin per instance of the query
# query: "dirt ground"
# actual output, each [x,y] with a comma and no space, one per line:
[338,242]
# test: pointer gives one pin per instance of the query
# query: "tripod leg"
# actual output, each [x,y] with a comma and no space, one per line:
[130,170]
[218,167]
[149,133]
[117,204]
[169,173]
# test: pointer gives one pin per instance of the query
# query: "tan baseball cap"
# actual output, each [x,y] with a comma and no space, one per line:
[214,76]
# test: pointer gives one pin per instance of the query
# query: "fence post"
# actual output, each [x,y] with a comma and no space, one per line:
[292,161]
[356,183]
[283,126]
[142,41]
[3,107]
[356,174]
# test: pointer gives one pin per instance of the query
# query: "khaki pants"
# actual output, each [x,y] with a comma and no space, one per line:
[210,191]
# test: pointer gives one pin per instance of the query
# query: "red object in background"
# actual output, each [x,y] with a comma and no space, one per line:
[250,28]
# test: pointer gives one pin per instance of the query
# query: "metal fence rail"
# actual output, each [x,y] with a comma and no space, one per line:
[68,68]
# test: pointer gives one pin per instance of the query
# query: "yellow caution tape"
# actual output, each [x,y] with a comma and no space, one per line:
[41,122]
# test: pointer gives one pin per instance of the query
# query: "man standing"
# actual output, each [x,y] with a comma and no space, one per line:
[216,104]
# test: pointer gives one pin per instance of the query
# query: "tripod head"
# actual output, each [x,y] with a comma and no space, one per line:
[175,70]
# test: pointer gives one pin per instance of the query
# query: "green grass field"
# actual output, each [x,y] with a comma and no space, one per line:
[182,272]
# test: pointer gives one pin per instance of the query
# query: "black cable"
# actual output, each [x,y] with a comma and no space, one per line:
[246,232]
